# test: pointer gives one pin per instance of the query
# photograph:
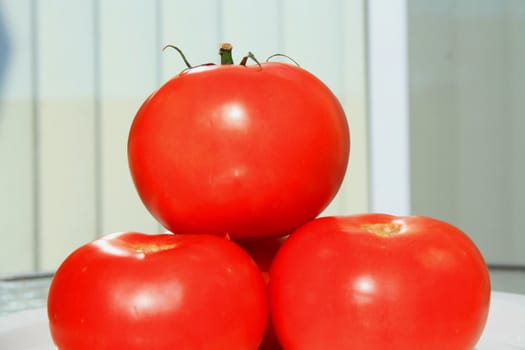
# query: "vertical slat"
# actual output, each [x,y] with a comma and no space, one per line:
[128,74]
[353,196]
[247,29]
[16,141]
[312,35]
[194,29]
[388,107]
[66,122]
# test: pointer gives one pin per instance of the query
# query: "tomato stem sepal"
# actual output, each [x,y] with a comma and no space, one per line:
[225,52]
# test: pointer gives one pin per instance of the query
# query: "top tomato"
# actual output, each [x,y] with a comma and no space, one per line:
[248,151]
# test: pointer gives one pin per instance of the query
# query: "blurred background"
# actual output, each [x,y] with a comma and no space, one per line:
[434,93]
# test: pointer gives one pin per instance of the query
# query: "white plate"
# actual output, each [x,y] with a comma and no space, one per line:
[505,329]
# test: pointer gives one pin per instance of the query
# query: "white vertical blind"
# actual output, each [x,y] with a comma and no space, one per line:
[77,71]
[194,27]
[127,72]
[65,79]
[388,107]
[248,29]
[17,185]
[354,195]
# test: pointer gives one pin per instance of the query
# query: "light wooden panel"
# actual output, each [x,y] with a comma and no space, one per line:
[16,139]
[66,128]
[128,74]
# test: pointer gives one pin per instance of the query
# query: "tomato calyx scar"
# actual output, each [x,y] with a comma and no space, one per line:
[146,248]
[382,230]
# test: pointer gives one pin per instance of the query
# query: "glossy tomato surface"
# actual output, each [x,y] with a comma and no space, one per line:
[376,281]
[134,291]
[247,151]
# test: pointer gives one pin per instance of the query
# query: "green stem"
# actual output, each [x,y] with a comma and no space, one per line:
[180,53]
[252,56]
[226,53]
[282,55]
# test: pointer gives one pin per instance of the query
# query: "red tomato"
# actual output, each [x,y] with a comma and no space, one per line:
[263,252]
[376,281]
[135,291]
[247,151]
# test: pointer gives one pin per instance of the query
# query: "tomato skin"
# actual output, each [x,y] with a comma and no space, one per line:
[245,151]
[263,252]
[334,285]
[201,292]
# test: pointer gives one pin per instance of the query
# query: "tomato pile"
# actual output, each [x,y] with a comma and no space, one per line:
[237,161]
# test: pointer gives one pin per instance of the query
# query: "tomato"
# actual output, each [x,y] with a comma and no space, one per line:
[136,291]
[249,151]
[263,252]
[376,281]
